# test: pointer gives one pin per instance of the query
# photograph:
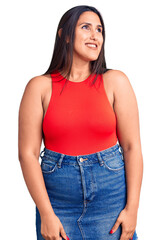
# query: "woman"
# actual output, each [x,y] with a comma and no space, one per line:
[88,183]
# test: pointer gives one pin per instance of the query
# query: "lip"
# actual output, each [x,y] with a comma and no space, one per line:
[91,46]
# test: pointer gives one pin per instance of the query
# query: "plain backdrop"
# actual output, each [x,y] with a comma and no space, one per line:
[133,40]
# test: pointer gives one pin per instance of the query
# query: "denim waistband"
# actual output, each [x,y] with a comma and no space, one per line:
[52,155]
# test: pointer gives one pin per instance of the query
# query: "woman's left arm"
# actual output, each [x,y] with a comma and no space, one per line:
[128,132]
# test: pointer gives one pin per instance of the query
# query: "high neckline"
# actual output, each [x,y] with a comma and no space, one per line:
[72,82]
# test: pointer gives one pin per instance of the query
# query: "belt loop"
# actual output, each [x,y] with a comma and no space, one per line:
[42,152]
[121,149]
[101,162]
[60,160]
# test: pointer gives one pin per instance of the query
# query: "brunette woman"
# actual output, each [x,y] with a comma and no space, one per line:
[88,183]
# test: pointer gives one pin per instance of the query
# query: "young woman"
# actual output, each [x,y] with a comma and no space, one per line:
[88,183]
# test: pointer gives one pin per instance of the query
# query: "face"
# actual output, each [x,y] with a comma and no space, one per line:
[88,37]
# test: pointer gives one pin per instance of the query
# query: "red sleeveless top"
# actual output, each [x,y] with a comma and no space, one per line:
[80,120]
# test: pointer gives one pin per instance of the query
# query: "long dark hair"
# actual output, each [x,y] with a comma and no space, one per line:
[63,51]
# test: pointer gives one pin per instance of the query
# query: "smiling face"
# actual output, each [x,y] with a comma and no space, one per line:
[88,37]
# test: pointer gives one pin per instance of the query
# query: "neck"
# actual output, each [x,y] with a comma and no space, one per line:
[80,69]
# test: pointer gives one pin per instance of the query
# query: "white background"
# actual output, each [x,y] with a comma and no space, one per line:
[132,45]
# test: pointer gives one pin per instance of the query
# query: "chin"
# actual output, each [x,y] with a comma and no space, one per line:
[91,58]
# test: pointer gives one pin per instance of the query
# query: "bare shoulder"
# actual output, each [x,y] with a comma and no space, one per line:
[39,84]
[34,92]
[119,82]
[31,115]
[126,109]
[115,77]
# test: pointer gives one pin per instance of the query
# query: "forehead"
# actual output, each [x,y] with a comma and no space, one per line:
[90,17]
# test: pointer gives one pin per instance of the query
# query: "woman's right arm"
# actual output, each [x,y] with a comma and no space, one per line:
[29,144]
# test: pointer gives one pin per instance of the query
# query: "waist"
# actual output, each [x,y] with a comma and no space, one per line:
[86,158]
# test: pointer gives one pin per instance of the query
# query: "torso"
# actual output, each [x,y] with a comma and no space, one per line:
[47,90]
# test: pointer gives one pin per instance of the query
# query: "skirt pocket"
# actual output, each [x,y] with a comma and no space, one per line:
[114,162]
[48,166]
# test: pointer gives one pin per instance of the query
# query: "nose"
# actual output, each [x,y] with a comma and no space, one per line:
[93,35]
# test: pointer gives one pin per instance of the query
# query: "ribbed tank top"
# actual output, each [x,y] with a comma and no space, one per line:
[80,120]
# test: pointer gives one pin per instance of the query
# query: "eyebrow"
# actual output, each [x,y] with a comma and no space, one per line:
[90,24]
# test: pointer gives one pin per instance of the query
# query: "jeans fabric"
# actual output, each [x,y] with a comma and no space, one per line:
[87,192]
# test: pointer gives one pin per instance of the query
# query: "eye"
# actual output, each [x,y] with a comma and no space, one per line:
[86,27]
[99,30]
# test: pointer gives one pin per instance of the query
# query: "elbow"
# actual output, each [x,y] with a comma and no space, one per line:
[21,156]
[24,156]
[128,147]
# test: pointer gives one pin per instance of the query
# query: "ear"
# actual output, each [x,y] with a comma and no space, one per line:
[59,32]
[67,39]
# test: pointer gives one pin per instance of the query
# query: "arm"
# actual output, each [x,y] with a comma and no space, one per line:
[128,132]
[29,143]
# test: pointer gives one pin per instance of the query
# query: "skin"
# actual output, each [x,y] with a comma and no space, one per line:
[121,96]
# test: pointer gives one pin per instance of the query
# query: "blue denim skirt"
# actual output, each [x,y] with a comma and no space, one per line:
[87,192]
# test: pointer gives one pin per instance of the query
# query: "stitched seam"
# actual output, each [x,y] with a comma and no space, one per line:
[93,186]
[50,158]
[50,170]
[79,219]
[112,169]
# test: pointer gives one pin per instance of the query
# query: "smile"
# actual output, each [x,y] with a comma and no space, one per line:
[91,45]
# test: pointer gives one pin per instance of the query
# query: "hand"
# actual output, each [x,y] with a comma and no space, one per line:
[51,228]
[127,218]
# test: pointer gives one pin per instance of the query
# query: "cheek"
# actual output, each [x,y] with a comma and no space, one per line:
[77,40]
[80,38]
[101,41]
[79,43]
